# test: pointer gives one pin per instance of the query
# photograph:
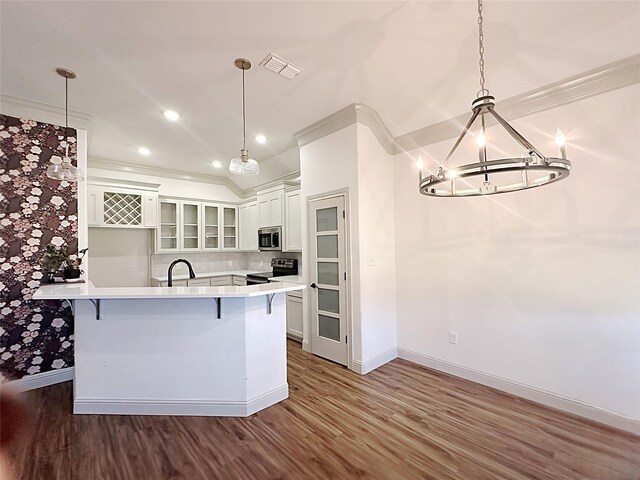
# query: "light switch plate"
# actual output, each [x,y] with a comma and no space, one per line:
[371,261]
[453,338]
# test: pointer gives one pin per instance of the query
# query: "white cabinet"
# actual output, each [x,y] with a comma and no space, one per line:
[239,281]
[211,226]
[293,222]
[118,207]
[167,234]
[271,208]
[224,281]
[294,315]
[248,226]
[190,226]
[229,222]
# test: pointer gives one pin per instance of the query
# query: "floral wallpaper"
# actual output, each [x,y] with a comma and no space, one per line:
[35,336]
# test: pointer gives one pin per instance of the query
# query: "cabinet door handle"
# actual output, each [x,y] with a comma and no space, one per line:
[313,285]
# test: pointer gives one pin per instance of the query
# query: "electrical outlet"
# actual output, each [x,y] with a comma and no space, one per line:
[453,338]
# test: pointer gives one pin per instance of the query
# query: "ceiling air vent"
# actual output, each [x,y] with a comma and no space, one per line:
[280,66]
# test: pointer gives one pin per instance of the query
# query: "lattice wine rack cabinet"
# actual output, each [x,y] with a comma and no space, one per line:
[122,209]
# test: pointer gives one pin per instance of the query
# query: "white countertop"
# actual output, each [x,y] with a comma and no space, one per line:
[87,291]
[240,273]
[185,276]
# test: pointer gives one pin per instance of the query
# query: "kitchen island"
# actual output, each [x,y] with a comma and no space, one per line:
[214,351]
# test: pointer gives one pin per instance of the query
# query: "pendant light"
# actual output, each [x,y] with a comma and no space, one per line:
[65,171]
[528,169]
[244,165]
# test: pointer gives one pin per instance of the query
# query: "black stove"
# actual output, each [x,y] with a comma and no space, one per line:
[281,267]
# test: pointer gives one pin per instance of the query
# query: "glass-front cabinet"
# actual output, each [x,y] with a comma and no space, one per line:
[230,225]
[187,226]
[211,227]
[191,227]
[167,233]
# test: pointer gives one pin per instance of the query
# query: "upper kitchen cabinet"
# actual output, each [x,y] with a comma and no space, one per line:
[121,204]
[248,226]
[211,227]
[191,227]
[293,222]
[271,207]
[168,233]
[229,217]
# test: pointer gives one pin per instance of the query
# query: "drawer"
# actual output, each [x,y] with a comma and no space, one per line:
[239,281]
[295,294]
[224,281]
[198,282]
[176,283]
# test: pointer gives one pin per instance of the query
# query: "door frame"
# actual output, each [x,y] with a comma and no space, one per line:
[343,192]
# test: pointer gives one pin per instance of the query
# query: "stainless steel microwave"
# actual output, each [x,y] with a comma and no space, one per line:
[270,238]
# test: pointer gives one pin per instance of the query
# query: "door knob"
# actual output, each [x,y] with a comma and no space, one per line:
[313,285]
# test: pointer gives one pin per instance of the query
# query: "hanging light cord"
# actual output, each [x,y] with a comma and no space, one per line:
[483,91]
[244,114]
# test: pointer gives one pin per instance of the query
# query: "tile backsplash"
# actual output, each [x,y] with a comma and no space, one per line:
[219,261]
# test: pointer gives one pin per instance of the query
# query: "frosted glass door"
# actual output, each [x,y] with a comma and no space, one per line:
[328,293]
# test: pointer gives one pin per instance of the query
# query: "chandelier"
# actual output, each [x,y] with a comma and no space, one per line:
[64,170]
[244,165]
[488,177]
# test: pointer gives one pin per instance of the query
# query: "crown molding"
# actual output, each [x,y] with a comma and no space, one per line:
[326,126]
[603,79]
[354,113]
[163,172]
[42,112]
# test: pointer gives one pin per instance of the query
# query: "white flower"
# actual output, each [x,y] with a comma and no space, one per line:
[5,311]
[56,200]
[6,356]
[4,134]
[33,241]
[14,259]
[55,159]
[57,323]
[57,363]
[36,275]
[37,317]
[64,223]
[6,266]
[5,222]
[15,348]
[32,370]
[2,332]
[36,233]
[37,360]
[66,344]
[33,158]
[33,326]
[32,199]
[33,284]
[14,303]
[36,150]
[57,241]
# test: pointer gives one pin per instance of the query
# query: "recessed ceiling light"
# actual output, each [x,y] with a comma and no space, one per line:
[144,151]
[216,164]
[171,115]
[261,139]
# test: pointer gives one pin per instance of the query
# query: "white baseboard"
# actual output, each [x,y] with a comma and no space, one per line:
[194,408]
[534,394]
[375,362]
[39,380]
[294,337]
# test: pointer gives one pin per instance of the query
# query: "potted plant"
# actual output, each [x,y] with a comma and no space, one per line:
[72,264]
[52,260]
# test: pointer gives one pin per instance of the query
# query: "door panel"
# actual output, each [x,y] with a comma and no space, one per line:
[328,267]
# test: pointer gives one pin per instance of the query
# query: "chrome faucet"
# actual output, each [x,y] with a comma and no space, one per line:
[180,260]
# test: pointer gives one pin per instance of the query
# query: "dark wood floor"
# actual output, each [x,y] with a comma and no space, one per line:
[402,421]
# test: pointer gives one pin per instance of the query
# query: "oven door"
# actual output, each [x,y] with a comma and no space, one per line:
[251,280]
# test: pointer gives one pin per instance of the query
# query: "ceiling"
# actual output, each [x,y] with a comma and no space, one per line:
[414,62]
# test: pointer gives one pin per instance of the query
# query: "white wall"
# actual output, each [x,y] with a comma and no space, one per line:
[542,286]
[376,244]
[119,257]
[326,165]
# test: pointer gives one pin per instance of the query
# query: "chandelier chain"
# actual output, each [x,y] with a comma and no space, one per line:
[483,90]
[244,116]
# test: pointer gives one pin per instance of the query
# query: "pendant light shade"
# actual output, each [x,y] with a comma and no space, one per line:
[65,171]
[243,165]
[527,168]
